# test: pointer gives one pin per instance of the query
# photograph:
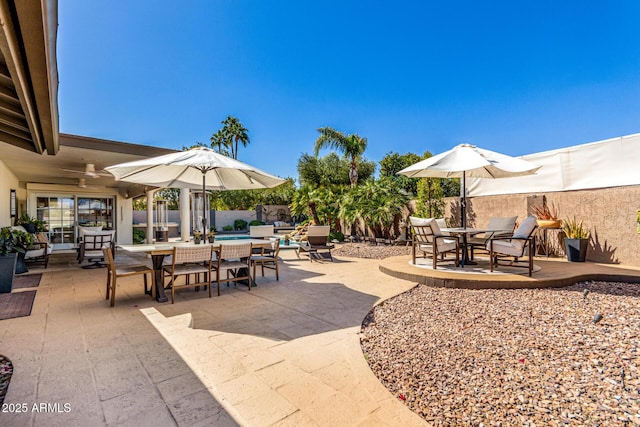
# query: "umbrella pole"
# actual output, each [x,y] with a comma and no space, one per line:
[204,207]
[463,202]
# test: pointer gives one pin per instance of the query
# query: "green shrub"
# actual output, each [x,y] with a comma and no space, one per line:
[139,236]
[227,228]
[256,222]
[240,224]
[336,235]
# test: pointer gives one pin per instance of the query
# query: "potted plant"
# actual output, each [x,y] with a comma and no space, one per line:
[287,239]
[576,240]
[9,250]
[22,241]
[547,217]
[197,236]
[32,225]
[211,235]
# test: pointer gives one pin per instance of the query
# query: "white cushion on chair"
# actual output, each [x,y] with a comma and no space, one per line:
[526,227]
[507,247]
[417,221]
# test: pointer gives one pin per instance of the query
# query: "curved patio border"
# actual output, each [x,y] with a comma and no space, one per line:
[553,274]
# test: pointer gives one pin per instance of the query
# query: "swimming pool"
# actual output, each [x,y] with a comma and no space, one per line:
[232,236]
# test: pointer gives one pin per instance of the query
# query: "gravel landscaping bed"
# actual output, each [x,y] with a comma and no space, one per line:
[526,357]
[367,250]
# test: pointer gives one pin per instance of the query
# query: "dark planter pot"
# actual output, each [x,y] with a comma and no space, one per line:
[196,240]
[21,267]
[31,228]
[212,239]
[7,270]
[576,249]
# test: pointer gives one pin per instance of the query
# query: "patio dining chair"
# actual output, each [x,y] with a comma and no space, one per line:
[514,247]
[268,258]
[508,224]
[428,239]
[115,272]
[235,260]
[190,261]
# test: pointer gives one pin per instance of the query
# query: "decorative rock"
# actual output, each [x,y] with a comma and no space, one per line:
[458,354]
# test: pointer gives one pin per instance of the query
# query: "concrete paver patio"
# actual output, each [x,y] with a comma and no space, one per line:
[286,353]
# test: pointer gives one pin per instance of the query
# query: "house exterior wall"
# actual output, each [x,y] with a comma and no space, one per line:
[609,213]
[8,181]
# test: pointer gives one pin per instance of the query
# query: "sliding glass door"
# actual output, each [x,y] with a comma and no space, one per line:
[63,215]
[58,212]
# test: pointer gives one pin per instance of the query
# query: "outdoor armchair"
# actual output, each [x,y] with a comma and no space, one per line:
[515,246]
[261,231]
[39,250]
[317,244]
[508,224]
[91,248]
[428,239]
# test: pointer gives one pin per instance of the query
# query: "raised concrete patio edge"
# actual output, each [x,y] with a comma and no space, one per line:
[553,273]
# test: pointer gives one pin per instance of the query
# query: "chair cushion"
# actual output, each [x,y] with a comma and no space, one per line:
[188,269]
[34,253]
[260,231]
[526,227]
[507,247]
[230,265]
[442,223]
[444,245]
[502,223]
[419,221]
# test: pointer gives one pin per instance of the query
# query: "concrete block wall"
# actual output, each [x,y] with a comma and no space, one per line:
[609,213]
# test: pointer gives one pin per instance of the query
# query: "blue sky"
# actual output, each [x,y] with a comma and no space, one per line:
[514,77]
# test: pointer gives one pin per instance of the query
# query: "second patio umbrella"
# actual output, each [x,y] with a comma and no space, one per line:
[467,160]
[192,168]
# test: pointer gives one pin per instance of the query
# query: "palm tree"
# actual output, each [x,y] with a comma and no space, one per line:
[235,132]
[352,146]
[220,141]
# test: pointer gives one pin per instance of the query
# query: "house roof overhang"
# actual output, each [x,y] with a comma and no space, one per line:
[29,75]
[68,166]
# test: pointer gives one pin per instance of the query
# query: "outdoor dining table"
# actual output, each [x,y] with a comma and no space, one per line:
[159,250]
[465,232]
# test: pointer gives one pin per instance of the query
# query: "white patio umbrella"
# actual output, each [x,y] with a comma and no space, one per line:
[192,168]
[467,160]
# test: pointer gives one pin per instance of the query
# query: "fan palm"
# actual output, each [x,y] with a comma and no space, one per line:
[352,146]
[235,132]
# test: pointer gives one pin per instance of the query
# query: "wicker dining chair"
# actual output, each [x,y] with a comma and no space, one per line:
[233,258]
[188,261]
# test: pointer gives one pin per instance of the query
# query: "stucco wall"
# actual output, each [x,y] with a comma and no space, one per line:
[609,213]
[8,181]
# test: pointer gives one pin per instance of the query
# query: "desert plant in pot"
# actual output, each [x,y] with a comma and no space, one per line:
[576,240]
[547,217]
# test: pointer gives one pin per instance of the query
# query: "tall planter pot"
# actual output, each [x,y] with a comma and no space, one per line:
[21,267]
[576,249]
[7,269]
